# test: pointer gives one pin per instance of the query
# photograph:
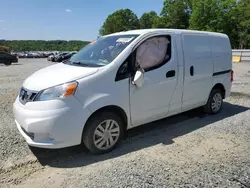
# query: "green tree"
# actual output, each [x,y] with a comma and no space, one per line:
[211,15]
[160,22]
[216,16]
[120,20]
[241,18]
[147,20]
[175,14]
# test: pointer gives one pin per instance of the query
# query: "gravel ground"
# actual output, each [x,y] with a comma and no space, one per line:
[187,150]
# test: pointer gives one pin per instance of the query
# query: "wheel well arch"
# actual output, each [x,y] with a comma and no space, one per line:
[220,87]
[114,109]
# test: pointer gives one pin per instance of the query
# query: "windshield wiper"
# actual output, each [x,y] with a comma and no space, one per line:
[65,61]
[79,63]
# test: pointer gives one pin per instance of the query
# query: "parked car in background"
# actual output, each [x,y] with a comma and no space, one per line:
[29,55]
[35,54]
[55,59]
[19,54]
[64,57]
[50,57]
[7,58]
[122,81]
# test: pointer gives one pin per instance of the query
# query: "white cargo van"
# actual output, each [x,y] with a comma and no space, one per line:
[121,81]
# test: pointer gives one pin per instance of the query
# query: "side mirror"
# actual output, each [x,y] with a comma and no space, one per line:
[139,78]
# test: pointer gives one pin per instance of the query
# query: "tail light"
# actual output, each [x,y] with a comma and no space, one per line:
[232,76]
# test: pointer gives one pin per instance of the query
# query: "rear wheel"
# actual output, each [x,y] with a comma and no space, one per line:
[103,132]
[215,102]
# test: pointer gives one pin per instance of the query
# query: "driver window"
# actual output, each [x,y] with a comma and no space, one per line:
[153,52]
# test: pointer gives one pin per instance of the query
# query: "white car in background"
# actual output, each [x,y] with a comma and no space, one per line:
[121,81]
[49,58]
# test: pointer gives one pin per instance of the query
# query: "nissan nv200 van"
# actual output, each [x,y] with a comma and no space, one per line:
[121,81]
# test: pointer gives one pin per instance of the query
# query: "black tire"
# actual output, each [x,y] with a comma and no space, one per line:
[208,107]
[90,127]
[8,63]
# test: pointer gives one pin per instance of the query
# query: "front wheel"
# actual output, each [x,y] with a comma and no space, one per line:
[214,103]
[103,132]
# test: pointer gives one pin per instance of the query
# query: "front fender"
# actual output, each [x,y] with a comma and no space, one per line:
[101,100]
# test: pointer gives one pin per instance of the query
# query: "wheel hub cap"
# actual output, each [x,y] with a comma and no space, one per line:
[106,134]
[216,103]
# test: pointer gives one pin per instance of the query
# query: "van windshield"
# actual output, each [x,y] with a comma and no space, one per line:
[101,51]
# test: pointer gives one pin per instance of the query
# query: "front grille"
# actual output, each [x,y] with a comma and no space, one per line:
[26,95]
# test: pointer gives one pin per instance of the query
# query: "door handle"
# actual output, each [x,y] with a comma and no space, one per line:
[170,74]
[192,70]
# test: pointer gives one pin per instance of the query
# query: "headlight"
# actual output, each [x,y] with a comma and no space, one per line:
[60,91]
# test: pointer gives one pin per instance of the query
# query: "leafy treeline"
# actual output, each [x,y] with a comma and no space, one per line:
[226,16]
[41,45]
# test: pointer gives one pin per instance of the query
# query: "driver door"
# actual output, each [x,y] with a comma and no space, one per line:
[151,101]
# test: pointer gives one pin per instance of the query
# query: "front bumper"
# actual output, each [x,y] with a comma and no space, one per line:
[51,124]
[49,143]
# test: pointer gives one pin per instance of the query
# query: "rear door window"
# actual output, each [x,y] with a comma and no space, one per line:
[197,46]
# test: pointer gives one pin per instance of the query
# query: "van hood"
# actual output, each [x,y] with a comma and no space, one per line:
[55,75]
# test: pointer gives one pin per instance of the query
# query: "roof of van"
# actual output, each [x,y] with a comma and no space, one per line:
[144,31]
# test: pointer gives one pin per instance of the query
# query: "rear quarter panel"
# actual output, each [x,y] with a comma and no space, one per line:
[222,58]
[221,52]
